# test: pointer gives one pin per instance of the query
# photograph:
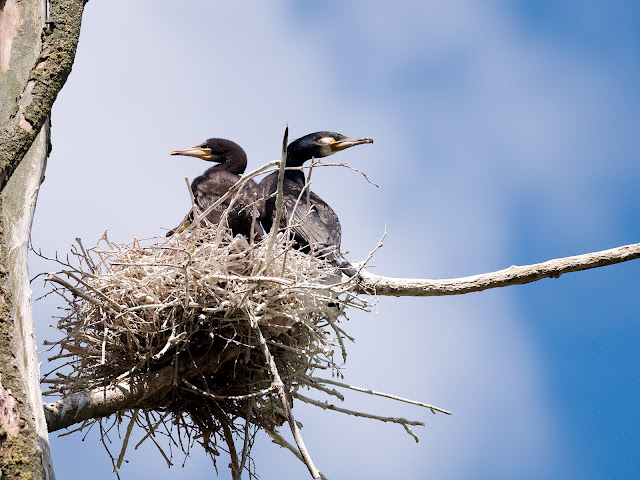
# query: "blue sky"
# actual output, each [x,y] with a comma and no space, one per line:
[505,133]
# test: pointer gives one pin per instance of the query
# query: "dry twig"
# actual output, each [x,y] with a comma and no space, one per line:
[204,328]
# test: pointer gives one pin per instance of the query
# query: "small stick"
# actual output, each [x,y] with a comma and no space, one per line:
[279,197]
[191,196]
[279,440]
[213,396]
[75,291]
[312,382]
[380,394]
[125,442]
[173,340]
[245,447]
[328,406]
[111,302]
[104,345]
[277,381]
[228,437]
[87,258]
[319,163]
[256,278]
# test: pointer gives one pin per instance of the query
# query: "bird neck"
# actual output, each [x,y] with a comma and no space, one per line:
[297,154]
[235,162]
[295,175]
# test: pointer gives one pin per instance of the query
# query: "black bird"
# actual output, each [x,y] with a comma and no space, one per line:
[314,224]
[217,180]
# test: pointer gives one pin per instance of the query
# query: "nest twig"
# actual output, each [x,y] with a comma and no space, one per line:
[134,309]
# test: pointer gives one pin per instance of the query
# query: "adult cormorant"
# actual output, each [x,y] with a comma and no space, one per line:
[314,224]
[217,180]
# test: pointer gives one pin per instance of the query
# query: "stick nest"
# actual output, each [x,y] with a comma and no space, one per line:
[196,306]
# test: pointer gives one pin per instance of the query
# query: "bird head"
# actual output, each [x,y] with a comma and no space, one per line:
[319,144]
[218,150]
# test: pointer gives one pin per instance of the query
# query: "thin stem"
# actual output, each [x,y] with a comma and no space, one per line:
[282,394]
[380,394]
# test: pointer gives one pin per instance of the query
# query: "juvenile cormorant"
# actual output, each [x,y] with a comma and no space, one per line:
[216,181]
[314,224]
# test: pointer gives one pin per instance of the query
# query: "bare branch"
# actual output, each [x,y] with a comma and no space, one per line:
[105,401]
[320,163]
[515,275]
[328,406]
[279,440]
[282,394]
[213,396]
[373,392]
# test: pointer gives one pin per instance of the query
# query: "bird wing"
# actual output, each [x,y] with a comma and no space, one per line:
[214,184]
[310,218]
[208,190]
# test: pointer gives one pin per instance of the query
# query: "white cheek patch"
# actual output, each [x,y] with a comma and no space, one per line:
[325,150]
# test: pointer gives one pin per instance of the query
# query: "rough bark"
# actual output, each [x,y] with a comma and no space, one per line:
[24,450]
[24,443]
[33,67]
[30,106]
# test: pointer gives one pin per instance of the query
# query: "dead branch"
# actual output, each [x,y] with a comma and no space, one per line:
[284,400]
[368,391]
[279,440]
[104,401]
[327,406]
[515,275]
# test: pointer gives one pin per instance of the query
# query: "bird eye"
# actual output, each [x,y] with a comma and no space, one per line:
[336,137]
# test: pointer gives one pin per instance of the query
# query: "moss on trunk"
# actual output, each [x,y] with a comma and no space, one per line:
[34,65]
[48,73]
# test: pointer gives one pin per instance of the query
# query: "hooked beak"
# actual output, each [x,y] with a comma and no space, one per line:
[338,145]
[198,152]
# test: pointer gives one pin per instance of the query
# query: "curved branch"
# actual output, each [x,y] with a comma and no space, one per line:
[127,394]
[46,79]
[514,275]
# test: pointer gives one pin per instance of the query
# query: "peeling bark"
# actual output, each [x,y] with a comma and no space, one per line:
[28,452]
[34,65]
[10,428]
[9,415]
[10,23]
[48,73]
[24,444]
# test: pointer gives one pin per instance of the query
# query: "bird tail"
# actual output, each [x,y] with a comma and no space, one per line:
[335,258]
[186,221]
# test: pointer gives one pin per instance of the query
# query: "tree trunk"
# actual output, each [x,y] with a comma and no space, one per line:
[24,443]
